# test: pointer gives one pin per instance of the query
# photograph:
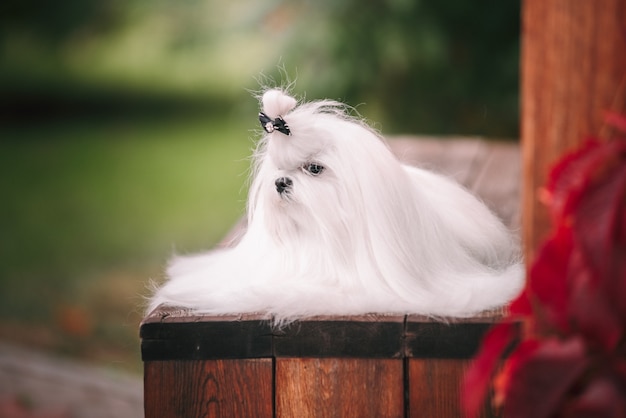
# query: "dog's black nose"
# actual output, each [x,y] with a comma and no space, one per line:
[282,184]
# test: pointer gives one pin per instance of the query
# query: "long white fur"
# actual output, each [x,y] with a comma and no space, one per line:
[368,235]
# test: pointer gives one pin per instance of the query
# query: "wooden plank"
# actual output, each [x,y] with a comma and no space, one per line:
[210,388]
[167,314]
[498,182]
[434,388]
[573,69]
[323,366]
[372,336]
[438,354]
[357,336]
[436,340]
[168,334]
[312,387]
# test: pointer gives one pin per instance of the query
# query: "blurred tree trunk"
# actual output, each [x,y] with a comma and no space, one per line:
[573,69]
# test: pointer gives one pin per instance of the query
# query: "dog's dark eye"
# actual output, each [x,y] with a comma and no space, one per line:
[313,168]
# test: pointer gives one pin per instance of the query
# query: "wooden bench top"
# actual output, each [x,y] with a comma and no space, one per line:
[175,334]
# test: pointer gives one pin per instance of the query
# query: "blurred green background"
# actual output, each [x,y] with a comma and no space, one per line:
[126,128]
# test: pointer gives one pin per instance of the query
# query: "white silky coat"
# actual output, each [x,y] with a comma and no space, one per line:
[366,235]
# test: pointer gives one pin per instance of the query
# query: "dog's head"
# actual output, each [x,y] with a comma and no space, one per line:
[321,174]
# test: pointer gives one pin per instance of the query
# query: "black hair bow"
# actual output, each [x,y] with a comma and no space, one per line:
[277,124]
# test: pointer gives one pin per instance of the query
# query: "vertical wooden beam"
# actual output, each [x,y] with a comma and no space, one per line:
[208,388]
[339,387]
[435,388]
[573,69]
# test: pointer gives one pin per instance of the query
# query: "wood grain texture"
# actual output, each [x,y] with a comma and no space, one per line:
[321,388]
[573,69]
[357,336]
[434,388]
[325,366]
[210,388]
[170,334]
[457,340]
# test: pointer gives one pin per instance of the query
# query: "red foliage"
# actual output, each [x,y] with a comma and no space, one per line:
[570,360]
[476,378]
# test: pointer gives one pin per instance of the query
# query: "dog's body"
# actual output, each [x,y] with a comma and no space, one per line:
[336,225]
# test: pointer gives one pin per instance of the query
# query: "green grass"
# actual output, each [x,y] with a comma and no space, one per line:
[91,211]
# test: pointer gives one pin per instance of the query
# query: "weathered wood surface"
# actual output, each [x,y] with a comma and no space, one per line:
[430,384]
[573,70]
[209,388]
[171,334]
[366,365]
[305,387]
[339,387]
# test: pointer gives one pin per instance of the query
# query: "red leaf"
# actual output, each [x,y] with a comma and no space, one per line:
[573,174]
[476,382]
[569,176]
[617,272]
[547,284]
[603,397]
[521,305]
[591,312]
[540,374]
[598,215]
[599,261]
[618,287]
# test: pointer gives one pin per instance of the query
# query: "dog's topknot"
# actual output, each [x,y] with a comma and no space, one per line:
[277,103]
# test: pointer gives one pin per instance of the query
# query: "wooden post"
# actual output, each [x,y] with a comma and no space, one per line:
[356,366]
[573,70]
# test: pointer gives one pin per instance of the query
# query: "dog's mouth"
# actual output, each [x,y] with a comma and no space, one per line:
[285,198]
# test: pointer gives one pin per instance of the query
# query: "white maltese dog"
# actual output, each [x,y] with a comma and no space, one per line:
[337,225]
